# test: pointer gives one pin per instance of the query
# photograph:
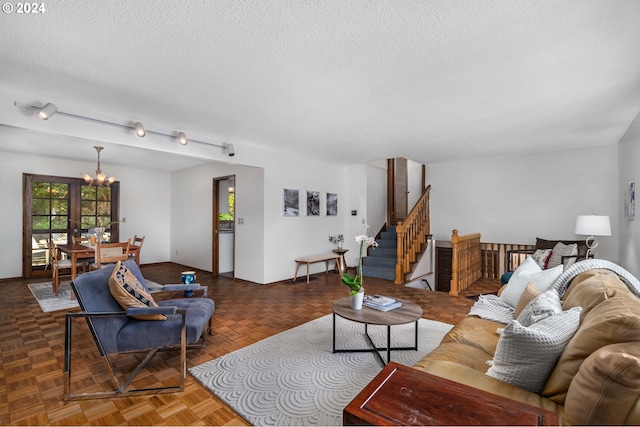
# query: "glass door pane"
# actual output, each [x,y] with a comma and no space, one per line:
[49,219]
[96,211]
[57,208]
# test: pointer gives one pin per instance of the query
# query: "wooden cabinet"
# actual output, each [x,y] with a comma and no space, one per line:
[443,268]
[400,395]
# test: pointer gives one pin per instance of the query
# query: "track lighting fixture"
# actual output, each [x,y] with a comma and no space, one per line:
[50,109]
[182,138]
[137,126]
[47,111]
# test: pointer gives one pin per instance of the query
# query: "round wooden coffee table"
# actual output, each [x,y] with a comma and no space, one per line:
[409,312]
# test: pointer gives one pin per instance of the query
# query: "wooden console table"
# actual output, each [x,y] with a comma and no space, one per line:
[400,395]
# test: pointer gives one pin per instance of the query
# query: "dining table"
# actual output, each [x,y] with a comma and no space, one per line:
[76,251]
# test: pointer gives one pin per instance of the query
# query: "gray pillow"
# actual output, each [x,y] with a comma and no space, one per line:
[525,356]
[560,250]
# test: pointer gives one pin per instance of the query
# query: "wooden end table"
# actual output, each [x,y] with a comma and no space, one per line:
[400,395]
[409,312]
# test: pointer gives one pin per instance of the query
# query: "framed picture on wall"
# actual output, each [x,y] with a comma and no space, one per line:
[290,202]
[630,201]
[313,203]
[332,204]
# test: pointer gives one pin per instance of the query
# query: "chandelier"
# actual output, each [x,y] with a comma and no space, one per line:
[101,179]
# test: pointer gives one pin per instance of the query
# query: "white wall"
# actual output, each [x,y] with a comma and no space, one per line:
[516,199]
[145,207]
[267,243]
[286,238]
[629,229]
[191,218]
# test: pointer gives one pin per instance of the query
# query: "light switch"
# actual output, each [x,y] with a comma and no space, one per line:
[240,221]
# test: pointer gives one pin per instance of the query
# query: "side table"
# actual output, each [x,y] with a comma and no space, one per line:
[341,263]
[400,395]
[408,313]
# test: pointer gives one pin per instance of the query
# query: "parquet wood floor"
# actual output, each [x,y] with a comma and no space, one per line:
[32,348]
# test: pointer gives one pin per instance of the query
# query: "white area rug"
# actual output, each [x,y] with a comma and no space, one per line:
[43,293]
[294,378]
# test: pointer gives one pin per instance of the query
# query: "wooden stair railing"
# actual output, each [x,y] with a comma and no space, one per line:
[466,261]
[412,235]
[472,260]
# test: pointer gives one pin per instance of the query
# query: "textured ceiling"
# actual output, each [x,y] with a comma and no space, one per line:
[429,80]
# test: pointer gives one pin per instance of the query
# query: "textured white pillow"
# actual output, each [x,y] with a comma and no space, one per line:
[560,250]
[525,356]
[541,279]
[541,307]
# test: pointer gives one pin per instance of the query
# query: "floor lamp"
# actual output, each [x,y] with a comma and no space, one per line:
[593,225]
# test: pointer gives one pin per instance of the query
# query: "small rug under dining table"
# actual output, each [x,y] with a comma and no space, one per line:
[294,378]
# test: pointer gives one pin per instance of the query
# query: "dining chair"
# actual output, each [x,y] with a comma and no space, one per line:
[136,247]
[110,253]
[56,264]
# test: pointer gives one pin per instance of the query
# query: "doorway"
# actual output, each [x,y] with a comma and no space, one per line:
[56,208]
[223,244]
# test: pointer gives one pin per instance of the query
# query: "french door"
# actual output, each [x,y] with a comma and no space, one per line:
[57,208]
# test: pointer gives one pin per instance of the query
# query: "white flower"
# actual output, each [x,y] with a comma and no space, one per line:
[366,240]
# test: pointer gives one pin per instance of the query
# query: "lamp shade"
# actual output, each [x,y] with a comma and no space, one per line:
[593,225]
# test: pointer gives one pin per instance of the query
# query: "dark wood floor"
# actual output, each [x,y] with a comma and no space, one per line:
[32,348]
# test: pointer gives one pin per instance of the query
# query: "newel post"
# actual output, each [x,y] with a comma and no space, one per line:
[399,253]
[455,265]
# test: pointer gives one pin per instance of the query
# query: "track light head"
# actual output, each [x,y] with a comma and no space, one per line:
[47,111]
[229,150]
[137,126]
[182,138]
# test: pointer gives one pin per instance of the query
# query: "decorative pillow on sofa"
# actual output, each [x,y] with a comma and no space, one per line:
[530,292]
[541,307]
[525,356]
[129,292]
[560,250]
[528,272]
[541,257]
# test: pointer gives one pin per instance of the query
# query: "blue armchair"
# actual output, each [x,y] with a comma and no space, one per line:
[116,330]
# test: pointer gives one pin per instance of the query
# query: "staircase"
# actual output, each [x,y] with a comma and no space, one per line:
[399,247]
[381,261]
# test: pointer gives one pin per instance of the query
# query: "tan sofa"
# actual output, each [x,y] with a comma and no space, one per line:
[596,379]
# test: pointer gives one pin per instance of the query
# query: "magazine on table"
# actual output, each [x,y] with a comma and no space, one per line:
[383,308]
[380,302]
